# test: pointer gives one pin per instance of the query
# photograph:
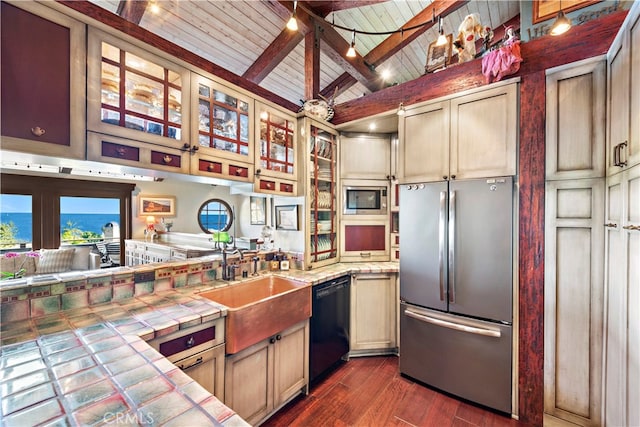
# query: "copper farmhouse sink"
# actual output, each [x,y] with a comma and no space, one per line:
[260,308]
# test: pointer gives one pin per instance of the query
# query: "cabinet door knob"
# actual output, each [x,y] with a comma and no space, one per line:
[278,337]
[38,131]
[272,340]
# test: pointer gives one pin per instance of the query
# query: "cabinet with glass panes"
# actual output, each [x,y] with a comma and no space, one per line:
[276,151]
[133,93]
[222,121]
[321,182]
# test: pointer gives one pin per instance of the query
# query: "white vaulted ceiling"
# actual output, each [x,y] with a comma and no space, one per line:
[233,35]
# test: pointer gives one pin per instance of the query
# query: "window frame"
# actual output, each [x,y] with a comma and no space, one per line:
[46,193]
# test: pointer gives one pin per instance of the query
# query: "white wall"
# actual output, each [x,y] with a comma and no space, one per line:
[190,196]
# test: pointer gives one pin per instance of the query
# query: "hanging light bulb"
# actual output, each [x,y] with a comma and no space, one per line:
[561,24]
[292,24]
[351,53]
[442,39]
[401,109]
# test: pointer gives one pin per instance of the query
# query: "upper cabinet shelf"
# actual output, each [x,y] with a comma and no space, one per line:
[133,94]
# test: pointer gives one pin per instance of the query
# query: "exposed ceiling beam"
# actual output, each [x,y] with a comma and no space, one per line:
[323,8]
[274,54]
[132,10]
[312,64]
[395,42]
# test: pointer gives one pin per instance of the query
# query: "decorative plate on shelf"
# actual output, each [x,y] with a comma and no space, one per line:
[319,109]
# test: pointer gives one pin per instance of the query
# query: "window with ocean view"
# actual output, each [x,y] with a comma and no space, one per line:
[89,220]
[16,221]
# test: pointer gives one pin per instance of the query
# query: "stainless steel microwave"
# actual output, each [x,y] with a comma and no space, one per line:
[364,200]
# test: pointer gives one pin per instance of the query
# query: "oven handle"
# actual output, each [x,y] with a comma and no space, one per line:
[196,363]
[456,326]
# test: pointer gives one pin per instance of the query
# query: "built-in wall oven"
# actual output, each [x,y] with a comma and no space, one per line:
[329,343]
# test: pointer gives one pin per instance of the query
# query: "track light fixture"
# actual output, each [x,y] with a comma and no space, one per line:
[442,39]
[292,24]
[561,24]
[351,53]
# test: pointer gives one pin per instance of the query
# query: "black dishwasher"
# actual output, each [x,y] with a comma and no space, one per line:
[329,342]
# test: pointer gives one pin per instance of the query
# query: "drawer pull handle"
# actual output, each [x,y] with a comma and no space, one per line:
[631,227]
[611,225]
[190,342]
[38,131]
[196,363]
[167,159]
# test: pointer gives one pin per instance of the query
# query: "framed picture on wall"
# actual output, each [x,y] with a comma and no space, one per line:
[287,217]
[544,10]
[157,205]
[258,207]
[439,56]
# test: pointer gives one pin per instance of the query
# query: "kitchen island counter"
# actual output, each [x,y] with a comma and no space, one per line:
[92,364]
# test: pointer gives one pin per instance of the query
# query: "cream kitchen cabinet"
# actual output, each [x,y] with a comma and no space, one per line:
[472,135]
[374,314]
[364,239]
[365,156]
[133,92]
[576,110]
[320,180]
[574,292]
[276,153]
[623,142]
[198,351]
[622,309]
[43,84]
[262,378]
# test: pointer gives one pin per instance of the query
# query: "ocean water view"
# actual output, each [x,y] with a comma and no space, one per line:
[84,222]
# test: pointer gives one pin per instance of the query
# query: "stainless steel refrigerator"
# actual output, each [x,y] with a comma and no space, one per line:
[456,287]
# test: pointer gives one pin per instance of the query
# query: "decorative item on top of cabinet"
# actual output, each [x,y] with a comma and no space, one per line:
[374,314]
[222,120]
[623,103]
[471,135]
[278,368]
[575,137]
[43,84]
[365,156]
[321,218]
[121,151]
[135,93]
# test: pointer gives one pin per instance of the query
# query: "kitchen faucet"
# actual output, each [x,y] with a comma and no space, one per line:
[229,271]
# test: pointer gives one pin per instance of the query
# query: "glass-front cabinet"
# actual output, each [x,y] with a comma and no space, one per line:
[224,120]
[223,135]
[322,191]
[276,152]
[135,94]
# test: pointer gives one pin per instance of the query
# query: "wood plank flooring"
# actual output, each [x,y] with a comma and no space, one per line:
[369,392]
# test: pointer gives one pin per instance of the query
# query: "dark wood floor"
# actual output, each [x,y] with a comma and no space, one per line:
[369,391]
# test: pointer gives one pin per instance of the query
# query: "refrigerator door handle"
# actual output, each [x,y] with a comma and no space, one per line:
[442,221]
[452,247]
[456,326]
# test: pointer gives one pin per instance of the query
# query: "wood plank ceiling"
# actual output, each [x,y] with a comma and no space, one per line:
[249,38]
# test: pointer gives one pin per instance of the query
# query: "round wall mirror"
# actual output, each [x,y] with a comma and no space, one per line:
[215,215]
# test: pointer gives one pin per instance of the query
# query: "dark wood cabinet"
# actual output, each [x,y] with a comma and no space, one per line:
[43,109]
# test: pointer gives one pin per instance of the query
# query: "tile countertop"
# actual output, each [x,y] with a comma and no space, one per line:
[92,365]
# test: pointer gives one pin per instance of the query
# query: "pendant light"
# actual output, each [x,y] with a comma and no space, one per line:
[561,24]
[351,53]
[292,24]
[442,40]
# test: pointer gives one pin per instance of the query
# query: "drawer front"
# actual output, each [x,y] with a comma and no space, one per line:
[187,342]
